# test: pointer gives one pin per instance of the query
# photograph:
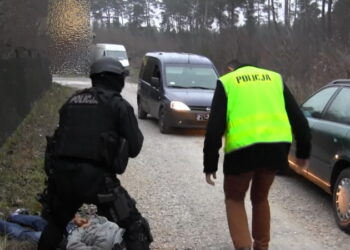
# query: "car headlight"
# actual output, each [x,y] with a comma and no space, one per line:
[179,106]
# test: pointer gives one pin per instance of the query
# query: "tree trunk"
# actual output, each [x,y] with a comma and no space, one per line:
[232,15]
[329,18]
[286,13]
[323,17]
[269,13]
[147,12]
[273,12]
[205,19]
[108,12]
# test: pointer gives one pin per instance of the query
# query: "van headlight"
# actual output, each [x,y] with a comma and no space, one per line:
[179,106]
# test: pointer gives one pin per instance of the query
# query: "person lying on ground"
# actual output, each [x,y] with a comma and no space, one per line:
[94,233]
[23,227]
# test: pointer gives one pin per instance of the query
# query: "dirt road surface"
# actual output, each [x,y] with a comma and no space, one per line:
[184,212]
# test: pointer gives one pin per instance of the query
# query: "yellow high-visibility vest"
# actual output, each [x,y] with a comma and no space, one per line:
[255,108]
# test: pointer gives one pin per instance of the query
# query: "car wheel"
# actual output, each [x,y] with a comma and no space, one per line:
[341,200]
[141,114]
[164,129]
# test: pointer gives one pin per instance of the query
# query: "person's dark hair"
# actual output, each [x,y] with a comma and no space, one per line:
[234,63]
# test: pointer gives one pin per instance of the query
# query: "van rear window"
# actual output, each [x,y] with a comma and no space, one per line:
[120,55]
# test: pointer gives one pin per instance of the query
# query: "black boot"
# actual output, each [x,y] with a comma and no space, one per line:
[138,235]
[137,245]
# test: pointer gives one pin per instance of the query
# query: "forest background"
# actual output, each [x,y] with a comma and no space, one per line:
[307,41]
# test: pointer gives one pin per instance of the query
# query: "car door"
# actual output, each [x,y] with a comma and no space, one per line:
[145,83]
[322,144]
[156,90]
[329,134]
[313,109]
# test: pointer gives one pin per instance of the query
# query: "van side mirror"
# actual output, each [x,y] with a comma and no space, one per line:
[307,111]
[155,82]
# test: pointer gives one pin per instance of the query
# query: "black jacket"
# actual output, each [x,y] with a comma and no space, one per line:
[128,126]
[91,115]
[270,155]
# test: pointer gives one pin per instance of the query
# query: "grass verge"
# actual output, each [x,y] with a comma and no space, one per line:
[21,157]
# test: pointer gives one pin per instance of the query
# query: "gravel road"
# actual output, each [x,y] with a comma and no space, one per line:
[184,212]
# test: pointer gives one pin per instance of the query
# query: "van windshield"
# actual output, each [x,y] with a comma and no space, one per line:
[190,76]
[120,55]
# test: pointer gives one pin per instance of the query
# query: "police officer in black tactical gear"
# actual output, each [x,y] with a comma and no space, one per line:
[97,133]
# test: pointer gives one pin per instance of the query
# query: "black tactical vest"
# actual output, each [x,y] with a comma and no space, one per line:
[83,119]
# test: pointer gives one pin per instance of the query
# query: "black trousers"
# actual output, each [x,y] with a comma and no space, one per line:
[74,183]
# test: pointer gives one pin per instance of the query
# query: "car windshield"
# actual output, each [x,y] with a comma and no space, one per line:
[190,76]
[120,55]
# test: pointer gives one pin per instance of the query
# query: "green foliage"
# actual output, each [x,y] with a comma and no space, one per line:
[135,12]
[309,44]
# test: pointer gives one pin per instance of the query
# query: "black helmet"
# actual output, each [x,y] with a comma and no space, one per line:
[107,64]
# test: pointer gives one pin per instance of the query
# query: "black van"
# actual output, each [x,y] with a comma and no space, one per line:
[177,89]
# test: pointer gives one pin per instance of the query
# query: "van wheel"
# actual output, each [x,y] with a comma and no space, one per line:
[341,200]
[141,114]
[162,127]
